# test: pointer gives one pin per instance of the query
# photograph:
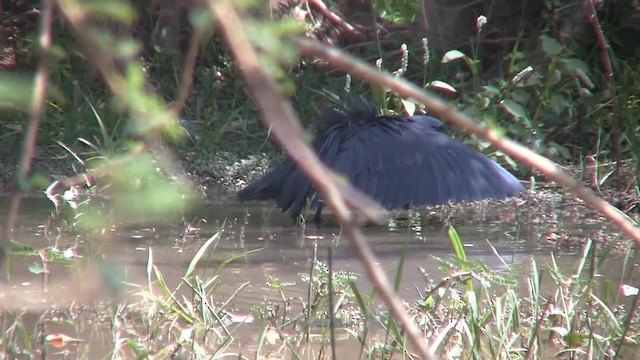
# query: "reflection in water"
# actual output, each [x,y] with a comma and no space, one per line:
[279,250]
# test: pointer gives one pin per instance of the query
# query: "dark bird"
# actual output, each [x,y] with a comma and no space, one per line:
[400,161]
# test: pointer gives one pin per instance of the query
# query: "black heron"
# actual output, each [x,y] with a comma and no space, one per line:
[400,161]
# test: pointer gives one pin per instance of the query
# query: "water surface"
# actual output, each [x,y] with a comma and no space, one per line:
[277,249]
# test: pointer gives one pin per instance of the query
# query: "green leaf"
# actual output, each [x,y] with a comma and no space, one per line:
[573,65]
[126,48]
[201,252]
[516,110]
[550,46]
[574,339]
[457,244]
[110,9]
[442,86]
[36,268]
[16,248]
[491,90]
[15,91]
[563,151]
[558,104]
[200,19]
[555,77]
[409,106]
[452,55]
[521,96]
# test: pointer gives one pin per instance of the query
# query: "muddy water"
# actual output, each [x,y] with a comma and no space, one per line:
[277,249]
[282,250]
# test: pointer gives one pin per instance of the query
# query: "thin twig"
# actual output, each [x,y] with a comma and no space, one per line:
[589,320]
[592,18]
[331,16]
[446,281]
[627,325]
[187,70]
[102,61]
[538,327]
[35,113]
[279,115]
[357,68]
[235,293]
[331,305]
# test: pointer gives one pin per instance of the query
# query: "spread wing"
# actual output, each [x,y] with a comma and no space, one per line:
[407,163]
[400,162]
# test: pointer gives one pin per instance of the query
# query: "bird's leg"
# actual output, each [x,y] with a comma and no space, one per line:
[447,211]
[318,217]
[298,220]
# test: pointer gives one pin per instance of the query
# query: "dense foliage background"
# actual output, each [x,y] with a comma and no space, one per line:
[564,85]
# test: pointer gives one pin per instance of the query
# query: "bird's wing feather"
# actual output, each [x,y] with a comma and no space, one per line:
[406,163]
[268,186]
[400,162]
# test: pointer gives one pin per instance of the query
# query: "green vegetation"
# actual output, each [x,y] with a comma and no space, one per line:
[467,311]
[550,92]
[118,111]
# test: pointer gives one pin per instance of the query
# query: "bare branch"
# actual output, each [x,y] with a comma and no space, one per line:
[187,70]
[35,113]
[279,115]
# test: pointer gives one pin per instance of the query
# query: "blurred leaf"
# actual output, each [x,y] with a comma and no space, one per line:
[140,192]
[518,111]
[442,86]
[520,96]
[57,256]
[149,198]
[288,26]
[57,52]
[201,252]
[60,340]
[127,48]
[560,330]
[518,55]
[241,318]
[558,103]
[36,268]
[491,90]
[39,180]
[574,64]
[584,92]
[508,159]
[564,152]
[110,9]
[17,248]
[379,93]
[574,339]
[16,91]
[136,79]
[452,55]
[201,18]
[555,77]
[403,11]
[409,106]
[458,247]
[535,80]
[550,46]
